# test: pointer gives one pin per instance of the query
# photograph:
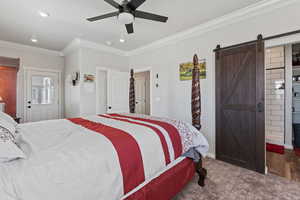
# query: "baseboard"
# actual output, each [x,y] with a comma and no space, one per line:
[211,155]
[287,146]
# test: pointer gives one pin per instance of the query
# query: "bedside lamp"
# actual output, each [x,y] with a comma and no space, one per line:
[2,105]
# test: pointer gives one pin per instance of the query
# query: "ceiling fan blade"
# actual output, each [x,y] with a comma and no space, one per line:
[134,4]
[92,19]
[150,16]
[129,28]
[113,3]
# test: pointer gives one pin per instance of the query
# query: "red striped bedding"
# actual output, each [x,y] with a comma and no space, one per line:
[108,156]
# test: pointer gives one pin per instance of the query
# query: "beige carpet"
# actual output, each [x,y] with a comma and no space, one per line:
[228,182]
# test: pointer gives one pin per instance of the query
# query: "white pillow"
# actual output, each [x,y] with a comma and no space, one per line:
[8,118]
[8,148]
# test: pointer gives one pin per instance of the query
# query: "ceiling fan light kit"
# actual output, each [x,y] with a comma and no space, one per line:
[126,18]
[127,12]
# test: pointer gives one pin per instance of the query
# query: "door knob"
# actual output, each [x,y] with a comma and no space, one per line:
[109,107]
[29,102]
[28,106]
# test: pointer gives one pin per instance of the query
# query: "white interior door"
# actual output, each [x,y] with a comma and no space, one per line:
[101,91]
[140,95]
[42,96]
[117,92]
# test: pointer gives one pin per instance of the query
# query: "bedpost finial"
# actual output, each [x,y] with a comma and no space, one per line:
[196,60]
[131,72]
[260,37]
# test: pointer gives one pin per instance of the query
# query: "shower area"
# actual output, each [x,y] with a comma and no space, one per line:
[275,97]
[282,108]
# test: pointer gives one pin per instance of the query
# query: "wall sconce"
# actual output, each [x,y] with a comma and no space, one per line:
[75,78]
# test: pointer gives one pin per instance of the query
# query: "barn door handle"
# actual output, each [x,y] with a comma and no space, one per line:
[260,107]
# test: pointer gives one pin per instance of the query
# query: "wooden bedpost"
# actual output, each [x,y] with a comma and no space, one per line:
[196,115]
[131,93]
[196,95]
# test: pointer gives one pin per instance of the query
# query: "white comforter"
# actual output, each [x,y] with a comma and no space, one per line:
[68,162]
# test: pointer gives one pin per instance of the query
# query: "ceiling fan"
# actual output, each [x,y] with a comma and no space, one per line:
[127,12]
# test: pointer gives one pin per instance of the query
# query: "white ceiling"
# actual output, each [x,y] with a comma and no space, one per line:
[19,20]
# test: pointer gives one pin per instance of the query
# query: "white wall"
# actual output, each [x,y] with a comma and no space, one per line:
[82,98]
[175,95]
[72,93]
[30,57]
[90,60]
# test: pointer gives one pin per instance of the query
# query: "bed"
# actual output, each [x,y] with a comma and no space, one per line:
[103,157]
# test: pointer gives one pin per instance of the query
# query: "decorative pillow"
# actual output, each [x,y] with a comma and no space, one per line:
[8,147]
[8,118]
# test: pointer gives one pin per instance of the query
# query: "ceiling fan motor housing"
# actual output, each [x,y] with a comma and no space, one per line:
[126,15]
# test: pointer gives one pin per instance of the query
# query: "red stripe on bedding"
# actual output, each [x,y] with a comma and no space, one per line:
[127,148]
[171,130]
[156,130]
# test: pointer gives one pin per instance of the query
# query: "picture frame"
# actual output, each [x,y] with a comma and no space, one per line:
[186,70]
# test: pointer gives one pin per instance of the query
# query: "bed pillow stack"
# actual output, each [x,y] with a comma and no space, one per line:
[9,150]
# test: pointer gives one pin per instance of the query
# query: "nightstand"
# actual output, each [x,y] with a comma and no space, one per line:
[18,120]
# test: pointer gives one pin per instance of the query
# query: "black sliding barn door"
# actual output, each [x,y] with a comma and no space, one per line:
[240,119]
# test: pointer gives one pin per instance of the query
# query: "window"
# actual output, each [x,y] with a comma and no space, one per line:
[42,90]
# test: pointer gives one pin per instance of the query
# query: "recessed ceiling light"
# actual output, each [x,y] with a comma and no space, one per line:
[44,14]
[34,39]
[122,40]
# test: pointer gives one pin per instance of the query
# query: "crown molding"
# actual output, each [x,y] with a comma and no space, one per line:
[78,43]
[12,45]
[233,17]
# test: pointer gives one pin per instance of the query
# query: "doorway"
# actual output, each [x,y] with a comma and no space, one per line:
[112,91]
[8,90]
[142,92]
[282,110]
[241,65]
[43,95]
[101,91]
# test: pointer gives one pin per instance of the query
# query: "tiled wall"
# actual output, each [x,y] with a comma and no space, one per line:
[275,95]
